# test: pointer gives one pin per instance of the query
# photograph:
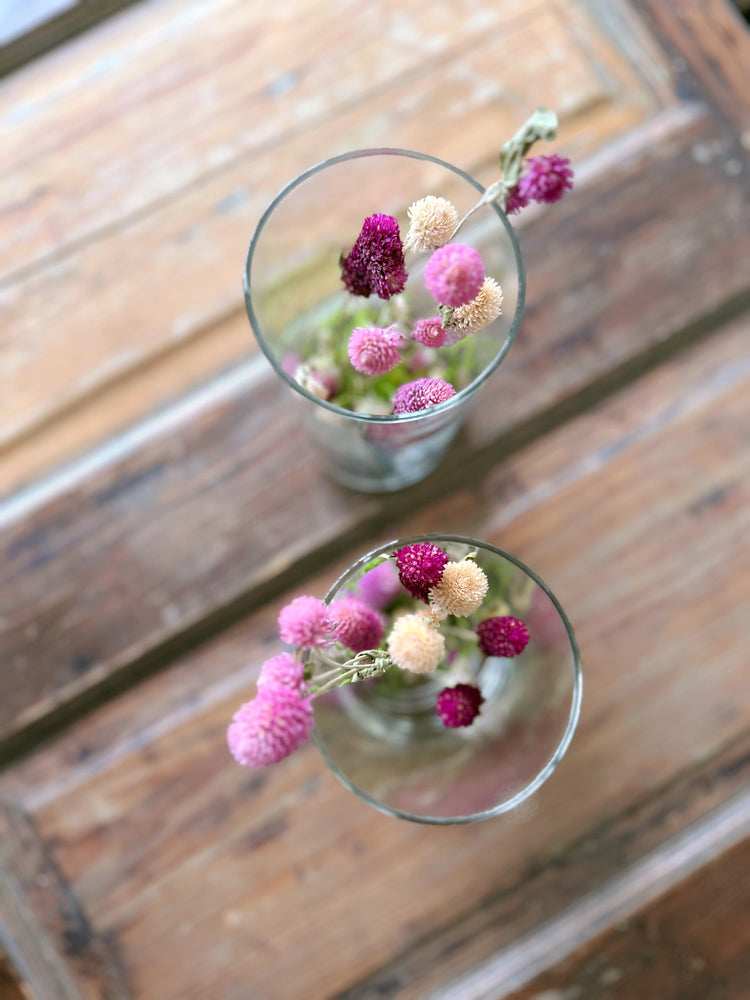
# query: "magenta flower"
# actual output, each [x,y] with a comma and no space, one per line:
[505,636]
[546,178]
[421,394]
[430,332]
[378,586]
[283,669]
[376,261]
[515,201]
[454,274]
[270,727]
[356,626]
[374,351]
[459,706]
[305,622]
[420,568]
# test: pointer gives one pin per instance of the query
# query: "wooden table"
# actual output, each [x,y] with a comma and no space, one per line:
[162,504]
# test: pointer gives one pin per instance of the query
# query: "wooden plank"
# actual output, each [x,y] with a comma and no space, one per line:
[10,987]
[104,575]
[633,513]
[694,943]
[33,27]
[194,173]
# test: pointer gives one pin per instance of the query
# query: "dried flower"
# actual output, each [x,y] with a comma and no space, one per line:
[376,261]
[430,332]
[283,669]
[459,705]
[378,586]
[318,382]
[356,625]
[415,645]
[433,222]
[420,567]
[412,397]
[305,623]
[270,727]
[477,314]
[546,178]
[461,590]
[503,636]
[374,351]
[454,274]
[515,201]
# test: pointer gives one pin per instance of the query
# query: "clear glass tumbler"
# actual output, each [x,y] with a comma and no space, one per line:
[292,282]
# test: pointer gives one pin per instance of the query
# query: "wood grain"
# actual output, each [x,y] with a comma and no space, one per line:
[633,514]
[159,540]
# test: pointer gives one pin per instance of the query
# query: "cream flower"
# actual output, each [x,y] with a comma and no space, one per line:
[433,222]
[461,590]
[415,645]
[483,309]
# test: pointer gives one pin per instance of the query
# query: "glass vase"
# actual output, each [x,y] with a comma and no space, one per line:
[385,741]
[295,297]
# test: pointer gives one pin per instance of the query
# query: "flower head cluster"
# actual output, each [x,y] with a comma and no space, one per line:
[546,179]
[270,726]
[378,586]
[433,222]
[502,636]
[356,626]
[430,332]
[454,274]
[374,351]
[421,394]
[479,313]
[305,623]
[515,201]
[459,705]
[461,590]
[376,261]
[420,568]
[416,645]
[283,669]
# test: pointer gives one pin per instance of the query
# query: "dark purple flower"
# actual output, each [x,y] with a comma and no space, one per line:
[506,636]
[546,178]
[459,706]
[421,394]
[516,200]
[420,568]
[376,261]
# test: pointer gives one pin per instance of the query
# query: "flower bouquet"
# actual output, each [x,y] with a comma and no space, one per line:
[384,337]
[439,678]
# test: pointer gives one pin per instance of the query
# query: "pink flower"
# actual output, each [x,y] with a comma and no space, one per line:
[454,274]
[421,394]
[376,261]
[282,669]
[430,332]
[305,622]
[378,586]
[420,567]
[546,178]
[506,636]
[270,727]
[515,201]
[459,706]
[356,626]
[374,351]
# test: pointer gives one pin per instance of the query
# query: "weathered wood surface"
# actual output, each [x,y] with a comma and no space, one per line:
[10,987]
[635,514]
[102,572]
[152,142]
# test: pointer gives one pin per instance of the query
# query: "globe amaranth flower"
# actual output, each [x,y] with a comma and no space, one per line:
[283,669]
[356,626]
[374,351]
[411,397]
[305,623]
[433,222]
[319,382]
[376,261]
[515,201]
[462,588]
[420,567]
[459,705]
[430,332]
[454,274]
[270,727]
[502,636]
[546,178]
[378,586]
[415,645]
[483,309]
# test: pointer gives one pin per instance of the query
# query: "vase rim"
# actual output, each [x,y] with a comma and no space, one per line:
[575,706]
[462,395]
